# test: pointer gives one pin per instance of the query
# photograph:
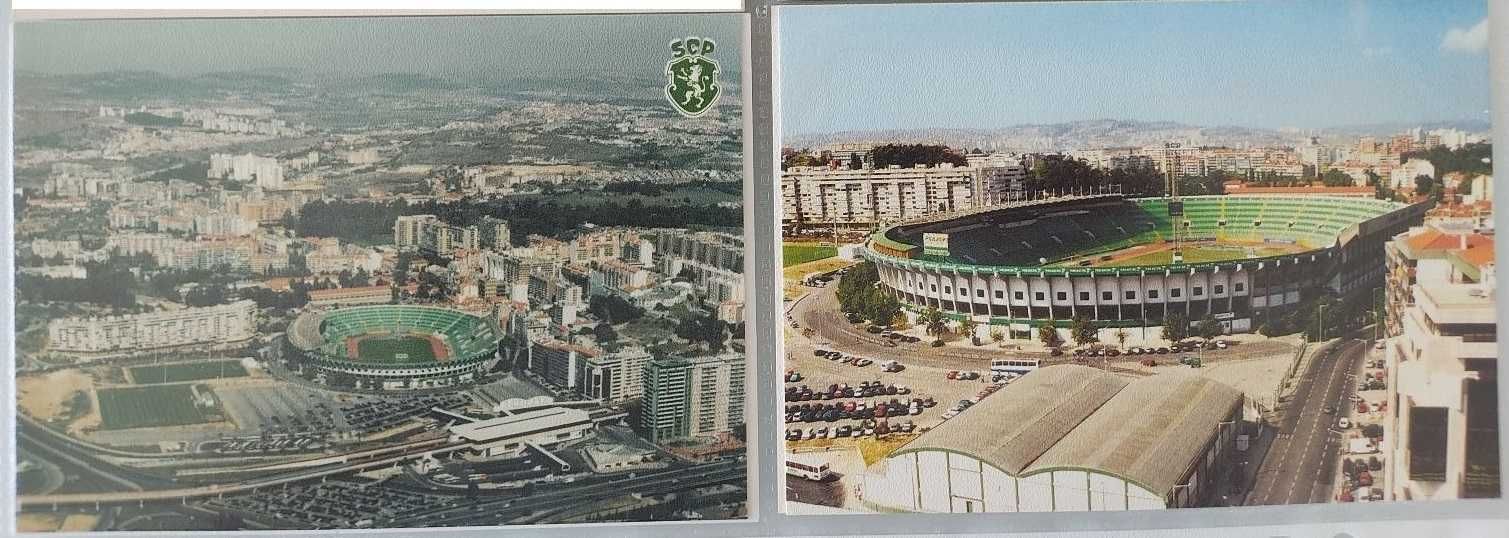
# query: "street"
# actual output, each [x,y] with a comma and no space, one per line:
[1299,466]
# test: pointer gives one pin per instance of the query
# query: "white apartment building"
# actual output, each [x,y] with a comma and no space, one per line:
[264,171]
[843,197]
[221,324]
[1442,425]
[428,233]
[613,377]
[691,397]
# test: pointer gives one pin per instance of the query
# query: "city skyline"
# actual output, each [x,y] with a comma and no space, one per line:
[1388,63]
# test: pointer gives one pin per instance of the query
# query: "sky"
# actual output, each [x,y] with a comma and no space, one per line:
[1264,64]
[516,45]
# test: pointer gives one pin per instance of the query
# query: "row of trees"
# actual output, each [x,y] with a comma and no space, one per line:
[1062,173]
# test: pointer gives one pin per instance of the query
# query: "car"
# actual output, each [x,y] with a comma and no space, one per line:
[1329,410]
[1163,351]
[1355,398]
[1343,423]
[951,413]
[1149,362]
[953,374]
[1378,345]
[1221,344]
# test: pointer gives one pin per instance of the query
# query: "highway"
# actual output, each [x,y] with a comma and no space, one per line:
[492,511]
[1299,464]
[129,497]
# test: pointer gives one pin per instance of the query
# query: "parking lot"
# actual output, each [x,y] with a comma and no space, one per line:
[819,373]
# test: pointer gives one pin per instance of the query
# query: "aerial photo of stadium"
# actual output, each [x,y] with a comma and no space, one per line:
[392,347]
[1125,262]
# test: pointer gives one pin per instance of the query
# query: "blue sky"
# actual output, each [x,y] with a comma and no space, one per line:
[516,45]
[1257,64]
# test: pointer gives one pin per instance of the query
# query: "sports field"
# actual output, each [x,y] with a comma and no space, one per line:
[795,253]
[1164,255]
[396,349]
[152,406]
[187,371]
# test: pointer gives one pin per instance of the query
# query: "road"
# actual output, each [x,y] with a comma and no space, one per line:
[1300,464]
[507,509]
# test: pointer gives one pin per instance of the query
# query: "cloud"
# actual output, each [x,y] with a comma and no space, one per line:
[1470,40]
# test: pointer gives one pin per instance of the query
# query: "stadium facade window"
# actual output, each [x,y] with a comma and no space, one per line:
[1038,296]
[1131,295]
[1219,289]
[1084,296]
[979,293]
[1063,296]
[1152,294]
[1238,287]
[1174,293]
[1018,295]
[935,288]
[1107,296]
[948,289]
[1000,294]
[1198,291]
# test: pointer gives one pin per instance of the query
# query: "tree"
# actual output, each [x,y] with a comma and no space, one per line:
[1048,335]
[1175,327]
[604,333]
[1335,178]
[1121,337]
[1423,184]
[880,307]
[933,321]
[855,163]
[855,286]
[1209,328]
[1083,330]
[997,336]
[967,327]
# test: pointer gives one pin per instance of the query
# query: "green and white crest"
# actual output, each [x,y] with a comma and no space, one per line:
[692,77]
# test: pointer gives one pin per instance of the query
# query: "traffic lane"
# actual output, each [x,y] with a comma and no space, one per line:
[1291,454]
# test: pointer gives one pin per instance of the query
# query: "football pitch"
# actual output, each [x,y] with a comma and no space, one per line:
[1197,254]
[187,371]
[394,349]
[151,406]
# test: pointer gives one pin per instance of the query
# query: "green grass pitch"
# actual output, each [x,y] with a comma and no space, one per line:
[394,349]
[187,371]
[795,253]
[150,406]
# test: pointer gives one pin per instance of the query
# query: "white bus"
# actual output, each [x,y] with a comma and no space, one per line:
[1002,367]
[807,468]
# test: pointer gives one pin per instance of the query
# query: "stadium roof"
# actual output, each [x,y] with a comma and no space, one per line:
[1147,431]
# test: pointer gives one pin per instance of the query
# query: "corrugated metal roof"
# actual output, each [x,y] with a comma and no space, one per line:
[1149,433]
[1013,427]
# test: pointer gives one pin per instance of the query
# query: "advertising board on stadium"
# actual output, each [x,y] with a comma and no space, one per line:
[935,244]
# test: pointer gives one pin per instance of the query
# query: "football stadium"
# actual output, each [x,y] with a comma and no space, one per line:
[1128,262]
[392,347]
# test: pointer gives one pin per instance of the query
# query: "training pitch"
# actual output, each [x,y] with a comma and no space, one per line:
[152,406]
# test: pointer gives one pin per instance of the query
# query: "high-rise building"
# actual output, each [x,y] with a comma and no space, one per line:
[1443,377]
[613,377]
[212,325]
[843,197]
[264,171]
[429,234]
[691,397]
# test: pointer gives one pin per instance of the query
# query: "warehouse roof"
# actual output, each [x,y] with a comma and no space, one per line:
[521,424]
[1013,428]
[1147,431]
[1150,433]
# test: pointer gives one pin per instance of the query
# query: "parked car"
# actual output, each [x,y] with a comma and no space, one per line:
[1343,423]
[1149,362]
